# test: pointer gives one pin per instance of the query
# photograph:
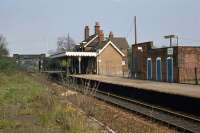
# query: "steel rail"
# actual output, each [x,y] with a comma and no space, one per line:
[177,120]
[151,106]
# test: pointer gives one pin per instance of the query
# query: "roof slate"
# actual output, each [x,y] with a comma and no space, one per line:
[89,38]
[120,42]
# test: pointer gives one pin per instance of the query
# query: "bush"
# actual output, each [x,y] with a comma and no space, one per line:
[7,64]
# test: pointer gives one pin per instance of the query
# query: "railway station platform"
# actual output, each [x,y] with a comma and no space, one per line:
[178,97]
[162,87]
[53,72]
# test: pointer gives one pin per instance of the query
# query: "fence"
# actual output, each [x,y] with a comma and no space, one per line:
[190,75]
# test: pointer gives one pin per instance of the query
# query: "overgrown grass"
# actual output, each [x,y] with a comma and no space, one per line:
[18,88]
[26,103]
[8,124]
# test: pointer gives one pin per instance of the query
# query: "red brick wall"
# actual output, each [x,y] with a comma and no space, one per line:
[139,59]
[162,53]
[185,59]
[148,52]
[189,59]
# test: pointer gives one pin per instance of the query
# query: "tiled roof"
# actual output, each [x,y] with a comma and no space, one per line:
[89,38]
[104,44]
[120,42]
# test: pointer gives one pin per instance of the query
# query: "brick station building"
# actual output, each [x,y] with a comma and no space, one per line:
[111,51]
[97,54]
[179,64]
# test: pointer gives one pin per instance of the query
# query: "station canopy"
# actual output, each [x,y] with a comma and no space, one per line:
[74,54]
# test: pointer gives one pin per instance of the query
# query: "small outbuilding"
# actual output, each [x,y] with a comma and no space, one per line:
[179,64]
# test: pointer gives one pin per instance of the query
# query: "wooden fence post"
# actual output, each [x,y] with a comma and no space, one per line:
[196,76]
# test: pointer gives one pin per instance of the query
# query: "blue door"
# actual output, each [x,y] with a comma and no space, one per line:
[158,70]
[149,69]
[170,70]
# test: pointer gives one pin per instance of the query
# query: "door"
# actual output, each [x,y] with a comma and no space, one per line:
[170,69]
[149,69]
[158,69]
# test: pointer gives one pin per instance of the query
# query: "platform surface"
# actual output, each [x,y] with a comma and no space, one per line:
[52,72]
[163,87]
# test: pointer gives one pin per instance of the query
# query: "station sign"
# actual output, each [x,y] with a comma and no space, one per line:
[170,51]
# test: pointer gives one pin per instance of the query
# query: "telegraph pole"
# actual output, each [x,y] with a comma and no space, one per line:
[135,34]
[135,24]
[68,43]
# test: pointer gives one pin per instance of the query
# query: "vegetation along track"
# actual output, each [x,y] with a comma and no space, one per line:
[177,120]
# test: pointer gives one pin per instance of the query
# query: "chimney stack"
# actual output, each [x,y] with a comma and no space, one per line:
[87,32]
[101,36]
[111,36]
[97,28]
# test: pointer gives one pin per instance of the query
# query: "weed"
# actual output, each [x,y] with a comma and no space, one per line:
[4,124]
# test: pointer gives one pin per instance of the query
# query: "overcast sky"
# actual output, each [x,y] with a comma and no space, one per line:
[33,26]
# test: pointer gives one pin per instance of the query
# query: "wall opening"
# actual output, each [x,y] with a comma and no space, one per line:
[158,69]
[149,69]
[170,69]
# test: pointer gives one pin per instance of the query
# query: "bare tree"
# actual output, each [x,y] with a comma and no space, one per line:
[3,46]
[65,43]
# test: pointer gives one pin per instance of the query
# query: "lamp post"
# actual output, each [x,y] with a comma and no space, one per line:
[170,37]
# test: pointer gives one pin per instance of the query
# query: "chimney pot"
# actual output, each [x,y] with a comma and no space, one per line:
[87,32]
[111,36]
[97,24]
[101,36]
[97,28]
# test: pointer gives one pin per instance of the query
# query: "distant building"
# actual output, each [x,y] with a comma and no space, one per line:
[170,64]
[30,62]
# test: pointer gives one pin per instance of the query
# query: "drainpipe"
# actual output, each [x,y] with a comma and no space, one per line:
[97,61]
[79,65]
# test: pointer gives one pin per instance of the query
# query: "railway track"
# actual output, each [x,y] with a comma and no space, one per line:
[179,121]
